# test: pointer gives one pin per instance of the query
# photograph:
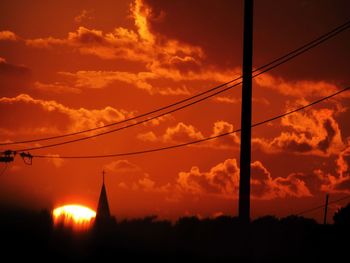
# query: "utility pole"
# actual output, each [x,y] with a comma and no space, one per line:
[325,210]
[246,114]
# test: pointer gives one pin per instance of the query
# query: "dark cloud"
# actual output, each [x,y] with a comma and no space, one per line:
[315,133]
[86,36]
[223,180]
[295,146]
[12,70]
[203,24]
[344,185]
[55,117]
[13,78]
[261,180]
[331,132]
[279,27]
[313,181]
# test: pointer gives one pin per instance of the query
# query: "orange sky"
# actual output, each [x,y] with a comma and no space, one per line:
[67,66]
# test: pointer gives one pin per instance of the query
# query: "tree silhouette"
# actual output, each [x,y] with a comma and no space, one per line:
[342,216]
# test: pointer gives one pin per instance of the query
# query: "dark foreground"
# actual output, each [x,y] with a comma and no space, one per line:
[31,236]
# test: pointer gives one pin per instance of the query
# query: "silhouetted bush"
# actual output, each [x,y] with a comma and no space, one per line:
[342,216]
[32,235]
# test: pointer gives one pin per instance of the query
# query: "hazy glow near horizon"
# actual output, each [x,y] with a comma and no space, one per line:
[74,215]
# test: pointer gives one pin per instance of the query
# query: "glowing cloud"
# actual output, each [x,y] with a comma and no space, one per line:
[77,118]
[301,88]
[141,14]
[8,36]
[314,132]
[223,180]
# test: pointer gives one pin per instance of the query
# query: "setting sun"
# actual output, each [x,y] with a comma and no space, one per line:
[74,215]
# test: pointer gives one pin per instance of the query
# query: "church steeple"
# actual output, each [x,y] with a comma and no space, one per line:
[103,207]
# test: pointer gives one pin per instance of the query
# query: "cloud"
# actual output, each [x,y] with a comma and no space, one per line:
[344,160]
[162,57]
[140,45]
[131,177]
[13,78]
[226,99]
[312,132]
[8,36]
[56,87]
[261,100]
[261,180]
[87,36]
[182,72]
[157,121]
[144,80]
[8,69]
[48,42]
[223,180]
[143,182]
[264,187]
[332,183]
[173,91]
[57,162]
[102,79]
[230,100]
[147,137]
[225,142]
[121,166]
[141,13]
[6,133]
[299,89]
[342,186]
[338,182]
[146,184]
[84,15]
[75,119]
[182,133]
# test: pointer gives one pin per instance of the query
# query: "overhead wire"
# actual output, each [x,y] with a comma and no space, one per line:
[196,141]
[292,53]
[4,169]
[321,206]
[272,66]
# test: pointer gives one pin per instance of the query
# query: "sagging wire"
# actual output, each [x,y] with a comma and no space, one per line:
[4,169]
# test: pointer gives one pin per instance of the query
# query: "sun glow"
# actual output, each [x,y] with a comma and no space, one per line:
[76,216]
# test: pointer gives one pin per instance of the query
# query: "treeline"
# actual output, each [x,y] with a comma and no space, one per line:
[32,236]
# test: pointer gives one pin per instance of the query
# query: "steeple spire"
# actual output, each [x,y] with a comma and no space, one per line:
[103,207]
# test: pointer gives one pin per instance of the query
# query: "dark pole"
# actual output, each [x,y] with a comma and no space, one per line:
[246,114]
[325,210]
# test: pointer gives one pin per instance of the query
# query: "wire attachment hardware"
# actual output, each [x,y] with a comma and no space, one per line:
[7,156]
[27,158]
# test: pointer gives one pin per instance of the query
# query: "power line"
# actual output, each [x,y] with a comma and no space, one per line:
[321,206]
[286,59]
[197,141]
[291,54]
[125,120]
[4,169]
